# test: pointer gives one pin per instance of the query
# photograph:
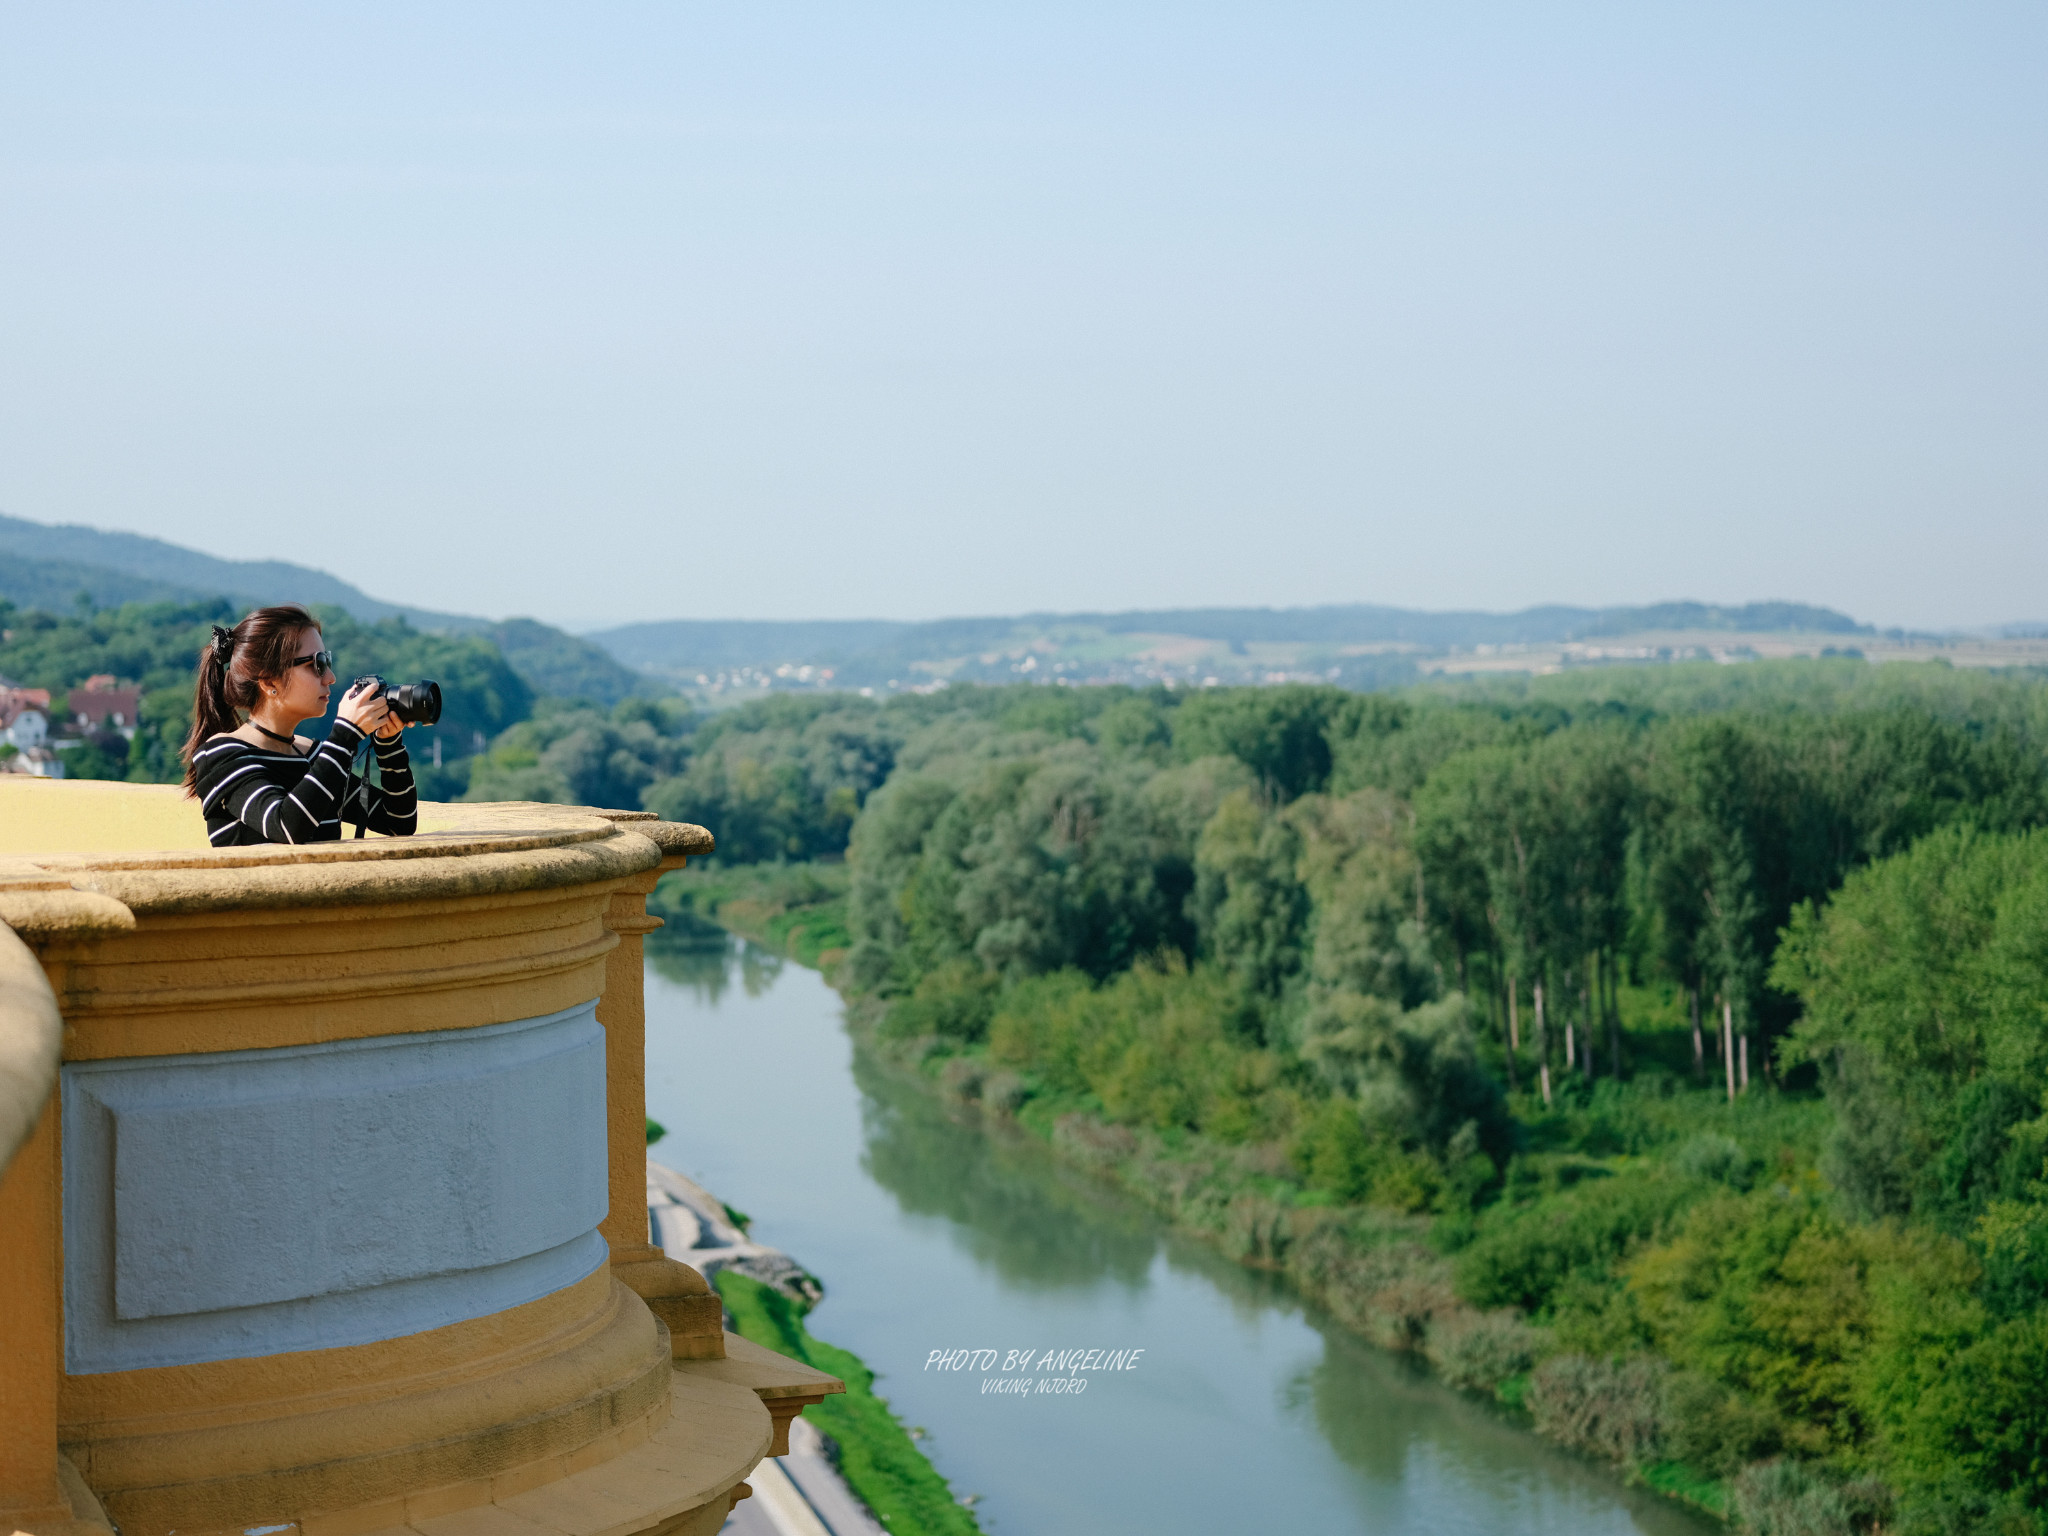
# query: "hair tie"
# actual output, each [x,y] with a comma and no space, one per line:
[223,645]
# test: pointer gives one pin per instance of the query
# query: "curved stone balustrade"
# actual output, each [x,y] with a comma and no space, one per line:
[337,1217]
[31,1031]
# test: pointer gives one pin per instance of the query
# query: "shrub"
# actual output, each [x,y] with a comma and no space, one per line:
[1713,1429]
[1790,1498]
[1004,1092]
[960,1077]
[1523,1255]
[955,1002]
[1477,1351]
[1610,1410]
[1716,1158]
[1333,1153]
[1986,1414]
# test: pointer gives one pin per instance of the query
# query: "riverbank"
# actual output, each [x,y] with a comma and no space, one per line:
[1383,1274]
[866,1452]
[1249,1410]
[876,1454]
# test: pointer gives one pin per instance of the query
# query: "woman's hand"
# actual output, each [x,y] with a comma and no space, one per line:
[364,707]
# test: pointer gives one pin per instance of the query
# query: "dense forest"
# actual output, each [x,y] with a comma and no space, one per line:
[1662,1051]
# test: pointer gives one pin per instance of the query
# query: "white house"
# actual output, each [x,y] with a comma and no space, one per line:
[27,728]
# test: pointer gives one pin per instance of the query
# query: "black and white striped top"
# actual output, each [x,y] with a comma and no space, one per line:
[250,795]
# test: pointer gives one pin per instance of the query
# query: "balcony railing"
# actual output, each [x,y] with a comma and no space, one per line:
[324,1195]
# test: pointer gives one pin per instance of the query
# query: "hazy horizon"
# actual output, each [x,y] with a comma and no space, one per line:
[594,626]
[649,312]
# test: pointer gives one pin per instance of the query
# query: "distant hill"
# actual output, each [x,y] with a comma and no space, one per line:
[55,585]
[190,573]
[564,666]
[1357,644]
[48,565]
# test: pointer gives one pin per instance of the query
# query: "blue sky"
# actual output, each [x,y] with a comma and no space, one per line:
[624,312]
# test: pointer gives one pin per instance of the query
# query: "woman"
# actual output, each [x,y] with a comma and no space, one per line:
[257,779]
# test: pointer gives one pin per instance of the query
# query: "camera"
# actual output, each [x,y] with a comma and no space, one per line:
[412,704]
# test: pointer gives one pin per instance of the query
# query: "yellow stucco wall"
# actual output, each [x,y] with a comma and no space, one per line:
[160,945]
[93,816]
[97,816]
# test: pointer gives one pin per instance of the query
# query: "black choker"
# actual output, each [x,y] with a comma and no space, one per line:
[287,740]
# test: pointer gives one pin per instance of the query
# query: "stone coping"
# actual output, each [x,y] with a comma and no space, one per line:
[461,851]
[676,1478]
[761,1370]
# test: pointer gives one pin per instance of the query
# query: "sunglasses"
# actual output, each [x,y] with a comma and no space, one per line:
[319,661]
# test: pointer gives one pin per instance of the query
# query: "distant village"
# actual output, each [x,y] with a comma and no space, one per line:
[32,734]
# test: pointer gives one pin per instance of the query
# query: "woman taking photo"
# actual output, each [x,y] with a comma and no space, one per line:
[257,780]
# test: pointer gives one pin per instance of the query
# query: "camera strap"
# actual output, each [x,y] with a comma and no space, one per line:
[362,789]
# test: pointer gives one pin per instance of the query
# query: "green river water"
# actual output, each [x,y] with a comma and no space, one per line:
[1246,1411]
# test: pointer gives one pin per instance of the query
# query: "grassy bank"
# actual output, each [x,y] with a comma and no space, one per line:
[877,1457]
[798,910]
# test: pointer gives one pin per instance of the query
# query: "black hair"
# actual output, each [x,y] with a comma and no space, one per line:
[233,664]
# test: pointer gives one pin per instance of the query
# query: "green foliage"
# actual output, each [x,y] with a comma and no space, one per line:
[1024,865]
[781,778]
[1250,905]
[1282,933]
[1987,1417]
[877,1457]
[153,644]
[556,665]
[1152,1047]
[797,910]
[1769,1294]
[1139,726]
[1714,1429]
[575,754]
[954,1001]
[1526,1255]
[1676,1479]
[1925,983]
[102,755]
[1281,734]
[1336,1156]
[157,645]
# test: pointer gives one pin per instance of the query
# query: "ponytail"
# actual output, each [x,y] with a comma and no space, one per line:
[233,664]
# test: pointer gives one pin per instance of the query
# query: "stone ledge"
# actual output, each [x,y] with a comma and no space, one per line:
[681,1480]
[676,838]
[464,850]
[785,1386]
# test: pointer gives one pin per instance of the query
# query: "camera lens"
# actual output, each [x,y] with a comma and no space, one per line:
[416,703]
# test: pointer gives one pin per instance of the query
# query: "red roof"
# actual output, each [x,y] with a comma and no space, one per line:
[98,700]
[14,700]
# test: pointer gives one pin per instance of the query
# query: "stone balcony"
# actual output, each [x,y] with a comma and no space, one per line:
[324,1194]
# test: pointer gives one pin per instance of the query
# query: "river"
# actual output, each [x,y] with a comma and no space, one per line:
[1247,1410]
